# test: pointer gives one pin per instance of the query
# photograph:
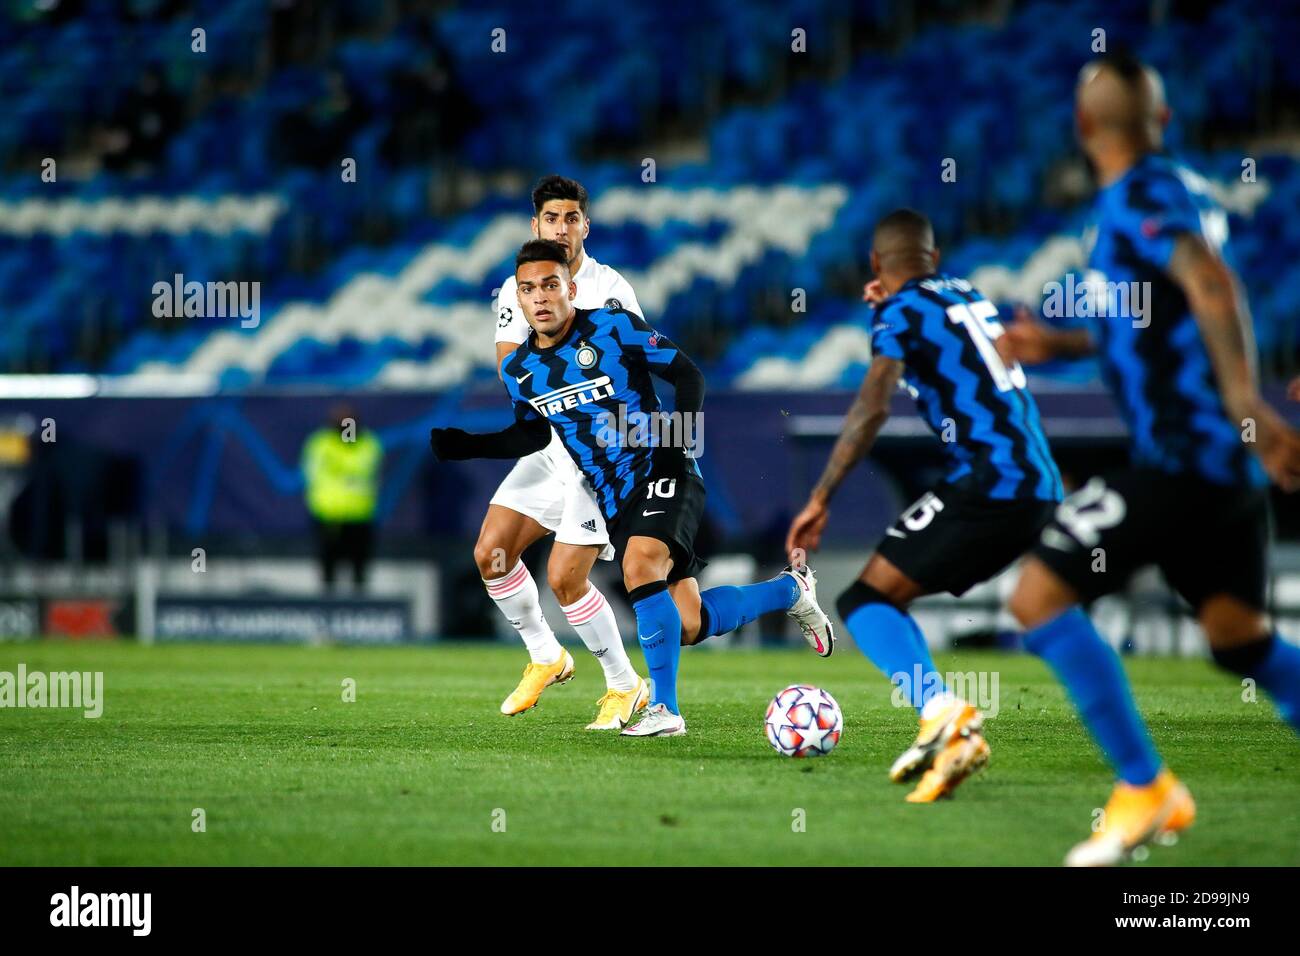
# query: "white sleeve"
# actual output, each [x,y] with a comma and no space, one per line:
[511,325]
[621,289]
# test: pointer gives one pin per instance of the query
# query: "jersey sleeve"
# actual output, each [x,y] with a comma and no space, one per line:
[1159,210]
[890,331]
[511,326]
[638,338]
[620,290]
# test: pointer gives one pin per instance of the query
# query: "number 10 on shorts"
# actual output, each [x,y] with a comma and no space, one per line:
[663,488]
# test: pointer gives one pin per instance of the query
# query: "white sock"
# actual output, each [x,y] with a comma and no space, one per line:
[516,596]
[593,619]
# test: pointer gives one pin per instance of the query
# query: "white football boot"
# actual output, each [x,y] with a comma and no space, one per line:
[657,721]
[807,613]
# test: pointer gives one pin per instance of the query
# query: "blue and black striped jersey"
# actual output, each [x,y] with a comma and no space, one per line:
[587,386]
[942,330]
[1152,355]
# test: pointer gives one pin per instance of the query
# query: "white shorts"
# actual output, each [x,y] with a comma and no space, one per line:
[548,487]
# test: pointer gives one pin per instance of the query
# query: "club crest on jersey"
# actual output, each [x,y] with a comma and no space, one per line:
[585,355]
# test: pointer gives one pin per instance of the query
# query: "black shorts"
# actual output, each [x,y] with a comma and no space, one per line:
[953,538]
[1207,539]
[667,505]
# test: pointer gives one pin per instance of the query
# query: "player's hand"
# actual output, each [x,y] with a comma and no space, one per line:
[1279,449]
[1293,390]
[873,293]
[1025,339]
[447,443]
[806,529]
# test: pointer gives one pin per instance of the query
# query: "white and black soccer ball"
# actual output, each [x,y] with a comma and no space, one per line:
[803,721]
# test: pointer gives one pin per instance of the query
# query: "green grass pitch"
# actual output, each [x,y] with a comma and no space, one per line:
[421,766]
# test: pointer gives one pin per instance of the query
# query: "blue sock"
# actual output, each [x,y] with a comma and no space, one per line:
[727,608]
[1091,672]
[1275,666]
[922,648]
[659,629]
[892,640]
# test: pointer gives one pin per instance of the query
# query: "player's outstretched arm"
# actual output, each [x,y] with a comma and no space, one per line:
[687,381]
[522,438]
[869,411]
[1032,342]
[1225,325]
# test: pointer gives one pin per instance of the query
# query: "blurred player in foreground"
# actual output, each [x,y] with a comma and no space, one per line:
[1193,500]
[582,372]
[935,333]
[545,492]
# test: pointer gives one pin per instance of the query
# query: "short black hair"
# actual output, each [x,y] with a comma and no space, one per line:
[558,187]
[541,250]
[1125,64]
[907,227]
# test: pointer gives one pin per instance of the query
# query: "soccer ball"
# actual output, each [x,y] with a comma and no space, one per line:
[803,721]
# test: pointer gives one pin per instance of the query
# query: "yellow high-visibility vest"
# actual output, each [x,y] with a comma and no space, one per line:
[342,477]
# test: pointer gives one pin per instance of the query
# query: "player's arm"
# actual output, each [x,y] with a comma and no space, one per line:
[504,351]
[1031,341]
[664,359]
[527,435]
[1225,326]
[668,362]
[686,379]
[866,416]
[511,326]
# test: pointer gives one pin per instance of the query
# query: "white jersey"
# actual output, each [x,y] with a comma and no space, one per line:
[546,485]
[598,286]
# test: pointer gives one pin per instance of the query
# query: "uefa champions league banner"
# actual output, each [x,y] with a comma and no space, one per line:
[228,464]
[282,620]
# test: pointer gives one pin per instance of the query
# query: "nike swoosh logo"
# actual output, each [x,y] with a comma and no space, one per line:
[646,514]
[522,377]
[894,533]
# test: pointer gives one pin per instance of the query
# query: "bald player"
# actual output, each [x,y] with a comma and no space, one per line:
[1193,500]
[934,333]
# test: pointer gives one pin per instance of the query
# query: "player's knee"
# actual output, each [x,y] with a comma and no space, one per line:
[856,595]
[492,558]
[1022,605]
[644,565]
[567,582]
[1231,623]
[638,572]
[1039,596]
